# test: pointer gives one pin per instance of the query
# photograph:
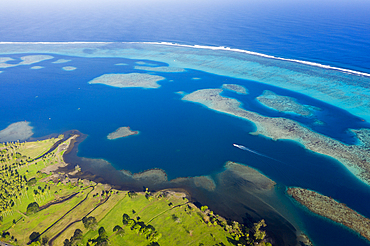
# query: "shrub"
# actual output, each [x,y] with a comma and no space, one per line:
[35,236]
[32,208]
[90,222]
[31,182]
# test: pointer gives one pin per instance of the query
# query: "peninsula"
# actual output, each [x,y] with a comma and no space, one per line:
[121,132]
[333,210]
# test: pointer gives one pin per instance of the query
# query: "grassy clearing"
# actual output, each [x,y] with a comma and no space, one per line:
[165,217]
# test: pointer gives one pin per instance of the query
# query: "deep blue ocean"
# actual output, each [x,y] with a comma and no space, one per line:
[180,137]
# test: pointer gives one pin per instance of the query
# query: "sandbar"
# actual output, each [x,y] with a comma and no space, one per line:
[356,158]
[121,132]
[61,61]
[161,69]
[36,67]
[285,104]
[69,68]
[129,80]
[17,131]
[235,88]
[333,210]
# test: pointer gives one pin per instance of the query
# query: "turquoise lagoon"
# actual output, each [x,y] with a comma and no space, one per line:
[187,139]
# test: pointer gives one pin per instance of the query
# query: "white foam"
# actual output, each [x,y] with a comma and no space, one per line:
[314,64]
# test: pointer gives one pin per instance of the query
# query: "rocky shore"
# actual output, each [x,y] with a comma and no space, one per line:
[333,210]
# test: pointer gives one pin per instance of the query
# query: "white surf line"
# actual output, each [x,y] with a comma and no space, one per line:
[74,42]
[314,64]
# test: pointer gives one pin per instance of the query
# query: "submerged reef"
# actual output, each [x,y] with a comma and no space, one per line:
[61,61]
[26,60]
[257,180]
[69,68]
[121,132]
[129,80]
[236,88]
[161,69]
[17,131]
[285,104]
[343,88]
[36,67]
[333,210]
[355,157]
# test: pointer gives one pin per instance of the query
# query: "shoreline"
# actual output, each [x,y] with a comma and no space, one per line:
[200,190]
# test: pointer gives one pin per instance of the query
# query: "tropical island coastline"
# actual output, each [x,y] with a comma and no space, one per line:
[65,209]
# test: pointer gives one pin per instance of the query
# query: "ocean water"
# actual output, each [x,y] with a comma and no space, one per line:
[183,138]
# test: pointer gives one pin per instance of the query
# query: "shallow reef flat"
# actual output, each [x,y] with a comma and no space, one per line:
[285,104]
[333,210]
[121,132]
[36,67]
[5,59]
[17,131]
[343,88]
[355,157]
[257,181]
[235,88]
[61,61]
[69,68]
[161,69]
[26,60]
[129,80]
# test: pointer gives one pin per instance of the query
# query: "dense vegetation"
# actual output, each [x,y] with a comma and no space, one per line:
[39,206]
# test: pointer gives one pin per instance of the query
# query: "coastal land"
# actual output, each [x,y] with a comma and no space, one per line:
[355,157]
[129,80]
[285,104]
[46,202]
[333,210]
[121,132]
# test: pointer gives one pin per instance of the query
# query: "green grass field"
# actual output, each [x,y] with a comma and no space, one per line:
[160,218]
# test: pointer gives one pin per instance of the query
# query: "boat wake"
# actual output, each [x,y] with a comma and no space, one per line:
[254,152]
